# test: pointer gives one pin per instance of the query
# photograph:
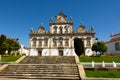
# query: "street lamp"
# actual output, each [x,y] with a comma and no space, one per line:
[96,39]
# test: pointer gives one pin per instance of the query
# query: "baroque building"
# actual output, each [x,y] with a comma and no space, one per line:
[59,40]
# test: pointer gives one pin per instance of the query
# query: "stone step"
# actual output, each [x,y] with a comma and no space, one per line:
[75,73]
[34,67]
[37,75]
[48,59]
[42,77]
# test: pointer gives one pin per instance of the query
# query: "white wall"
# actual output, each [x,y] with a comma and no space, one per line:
[111,48]
[33,52]
[45,52]
[54,52]
[66,52]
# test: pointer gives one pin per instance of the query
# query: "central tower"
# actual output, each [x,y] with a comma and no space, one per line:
[61,24]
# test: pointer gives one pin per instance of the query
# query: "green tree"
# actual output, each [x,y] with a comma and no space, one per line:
[13,45]
[95,47]
[99,47]
[8,44]
[3,44]
[79,46]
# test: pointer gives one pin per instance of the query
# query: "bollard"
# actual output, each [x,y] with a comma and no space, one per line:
[114,64]
[103,64]
[93,64]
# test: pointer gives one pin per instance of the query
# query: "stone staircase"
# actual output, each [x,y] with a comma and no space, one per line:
[49,60]
[37,68]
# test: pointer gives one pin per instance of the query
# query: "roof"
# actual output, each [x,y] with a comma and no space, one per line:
[114,37]
[116,34]
[113,40]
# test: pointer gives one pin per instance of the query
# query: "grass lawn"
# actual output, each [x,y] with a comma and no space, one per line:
[100,59]
[10,58]
[103,74]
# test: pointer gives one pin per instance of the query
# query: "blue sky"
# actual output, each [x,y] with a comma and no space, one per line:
[18,16]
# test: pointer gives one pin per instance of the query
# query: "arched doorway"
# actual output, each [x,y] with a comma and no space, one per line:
[39,52]
[61,52]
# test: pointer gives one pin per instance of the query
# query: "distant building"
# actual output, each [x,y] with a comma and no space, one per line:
[59,40]
[23,50]
[114,44]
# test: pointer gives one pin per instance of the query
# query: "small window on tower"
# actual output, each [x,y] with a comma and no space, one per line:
[55,29]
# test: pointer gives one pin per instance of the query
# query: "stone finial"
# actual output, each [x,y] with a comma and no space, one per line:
[92,28]
[70,19]
[51,19]
[31,30]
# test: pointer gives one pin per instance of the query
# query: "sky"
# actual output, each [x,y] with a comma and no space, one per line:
[18,16]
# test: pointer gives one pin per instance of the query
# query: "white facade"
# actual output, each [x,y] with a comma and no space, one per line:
[23,50]
[59,40]
[114,44]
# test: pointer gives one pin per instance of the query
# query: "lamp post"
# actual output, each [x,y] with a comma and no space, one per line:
[96,44]
[96,39]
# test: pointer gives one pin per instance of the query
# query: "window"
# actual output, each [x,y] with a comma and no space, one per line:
[60,43]
[54,43]
[34,43]
[61,30]
[55,29]
[45,43]
[117,46]
[88,43]
[66,42]
[40,43]
[66,29]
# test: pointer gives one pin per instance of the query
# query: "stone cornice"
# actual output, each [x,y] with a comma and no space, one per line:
[63,34]
[62,23]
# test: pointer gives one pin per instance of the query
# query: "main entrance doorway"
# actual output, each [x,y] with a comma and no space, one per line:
[39,53]
[60,52]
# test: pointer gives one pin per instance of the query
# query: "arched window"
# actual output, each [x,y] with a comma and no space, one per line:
[66,29]
[55,29]
[54,42]
[60,41]
[45,41]
[60,29]
[40,43]
[34,43]
[66,42]
[88,41]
